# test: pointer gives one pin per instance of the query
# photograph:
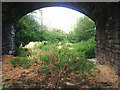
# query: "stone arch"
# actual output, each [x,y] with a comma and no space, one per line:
[105,15]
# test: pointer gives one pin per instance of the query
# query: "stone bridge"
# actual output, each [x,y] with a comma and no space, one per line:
[104,14]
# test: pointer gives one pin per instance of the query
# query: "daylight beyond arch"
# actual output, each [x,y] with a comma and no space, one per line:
[58,17]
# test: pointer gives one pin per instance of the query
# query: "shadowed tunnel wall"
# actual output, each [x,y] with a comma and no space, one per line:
[105,15]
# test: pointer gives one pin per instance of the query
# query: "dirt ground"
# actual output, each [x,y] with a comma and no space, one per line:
[30,78]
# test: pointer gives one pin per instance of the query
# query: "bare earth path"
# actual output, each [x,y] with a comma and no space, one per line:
[30,78]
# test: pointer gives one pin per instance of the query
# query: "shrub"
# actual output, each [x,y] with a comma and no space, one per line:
[21,51]
[86,47]
[63,61]
[21,61]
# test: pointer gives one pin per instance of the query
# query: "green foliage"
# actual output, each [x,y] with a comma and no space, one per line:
[63,60]
[87,47]
[3,88]
[27,29]
[21,61]
[97,70]
[58,58]
[54,35]
[71,37]
[21,51]
[83,30]
[55,50]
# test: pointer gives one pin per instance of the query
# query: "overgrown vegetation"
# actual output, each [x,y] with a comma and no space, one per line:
[83,30]
[56,60]
[57,52]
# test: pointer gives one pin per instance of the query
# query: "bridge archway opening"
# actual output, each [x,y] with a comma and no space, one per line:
[105,16]
[65,13]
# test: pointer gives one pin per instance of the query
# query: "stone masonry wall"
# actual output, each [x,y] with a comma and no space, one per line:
[108,38]
[8,37]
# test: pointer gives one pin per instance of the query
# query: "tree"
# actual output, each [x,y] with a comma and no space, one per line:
[83,30]
[27,29]
[54,35]
[71,36]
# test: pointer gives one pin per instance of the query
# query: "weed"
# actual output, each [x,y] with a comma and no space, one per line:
[57,61]
[20,61]
[22,51]
[86,47]
[62,61]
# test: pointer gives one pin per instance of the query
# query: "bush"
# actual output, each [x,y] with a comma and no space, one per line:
[63,61]
[21,51]
[27,29]
[20,61]
[86,47]
[90,52]
[60,61]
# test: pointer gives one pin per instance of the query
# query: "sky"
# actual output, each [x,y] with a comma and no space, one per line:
[58,17]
